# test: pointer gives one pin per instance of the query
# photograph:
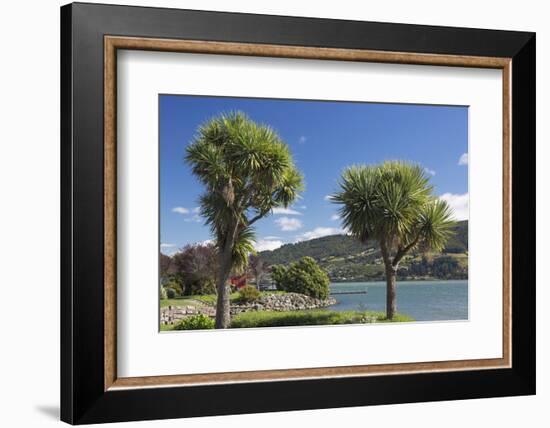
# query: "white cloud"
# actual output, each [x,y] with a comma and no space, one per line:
[429,171]
[327,197]
[288,224]
[303,207]
[170,252]
[164,245]
[458,203]
[463,160]
[272,238]
[180,210]
[267,244]
[184,211]
[319,232]
[196,219]
[286,211]
[335,217]
[302,139]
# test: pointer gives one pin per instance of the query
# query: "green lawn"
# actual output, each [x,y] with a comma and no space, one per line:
[308,317]
[311,317]
[166,327]
[176,302]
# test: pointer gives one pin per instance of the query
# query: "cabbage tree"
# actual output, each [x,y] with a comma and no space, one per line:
[394,204]
[246,170]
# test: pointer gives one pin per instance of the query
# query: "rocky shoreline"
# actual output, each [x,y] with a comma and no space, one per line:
[268,302]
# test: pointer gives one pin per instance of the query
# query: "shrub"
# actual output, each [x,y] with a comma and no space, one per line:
[278,273]
[200,286]
[248,294]
[175,285]
[195,322]
[163,294]
[304,276]
[170,292]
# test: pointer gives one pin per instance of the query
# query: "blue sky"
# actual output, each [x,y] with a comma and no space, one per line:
[324,137]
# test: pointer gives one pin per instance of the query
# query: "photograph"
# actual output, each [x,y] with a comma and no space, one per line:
[289,212]
[281,210]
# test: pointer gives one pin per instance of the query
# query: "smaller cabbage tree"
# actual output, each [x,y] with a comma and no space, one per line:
[394,204]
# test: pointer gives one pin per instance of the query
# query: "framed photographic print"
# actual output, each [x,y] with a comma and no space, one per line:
[266,213]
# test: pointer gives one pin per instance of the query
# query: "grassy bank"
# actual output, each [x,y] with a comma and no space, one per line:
[311,317]
[256,319]
[166,327]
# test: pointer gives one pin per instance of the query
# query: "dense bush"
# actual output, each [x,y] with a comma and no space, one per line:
[304,276]
[278,273]
[248,294]
[175,285]
[163,294]
[195,322]
[200,286]
[170,292]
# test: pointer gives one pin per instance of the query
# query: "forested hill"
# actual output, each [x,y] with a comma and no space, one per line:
[347,259]
[320,248]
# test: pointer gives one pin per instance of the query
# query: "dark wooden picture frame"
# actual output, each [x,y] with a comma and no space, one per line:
[91,391]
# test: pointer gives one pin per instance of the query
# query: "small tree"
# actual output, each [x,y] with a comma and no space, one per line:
[247,170]
[165,263]
[304,276]
[394,204]
[196,266]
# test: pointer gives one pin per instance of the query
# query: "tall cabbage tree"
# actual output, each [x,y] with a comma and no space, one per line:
[247,170]
[394,204]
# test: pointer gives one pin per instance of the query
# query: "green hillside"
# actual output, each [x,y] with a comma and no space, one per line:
[345,259]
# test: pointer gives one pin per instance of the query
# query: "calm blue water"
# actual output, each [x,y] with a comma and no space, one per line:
[422,300]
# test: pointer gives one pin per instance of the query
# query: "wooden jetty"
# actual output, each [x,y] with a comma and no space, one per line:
[348,292]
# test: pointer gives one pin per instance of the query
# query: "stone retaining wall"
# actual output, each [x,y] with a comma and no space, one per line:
[282,302]
[172,314]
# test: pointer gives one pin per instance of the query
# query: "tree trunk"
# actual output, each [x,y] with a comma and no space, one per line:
[258,279]
[223,316]
[391,305]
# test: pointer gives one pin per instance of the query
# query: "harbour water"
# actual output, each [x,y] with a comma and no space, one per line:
[423,300]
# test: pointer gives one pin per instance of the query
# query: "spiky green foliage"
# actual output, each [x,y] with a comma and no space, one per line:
[393,203]
[243,247]
[247,171]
